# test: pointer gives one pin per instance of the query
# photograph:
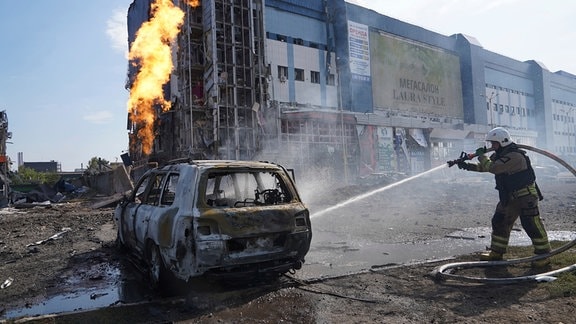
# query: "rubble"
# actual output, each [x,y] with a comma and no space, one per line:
[110,184]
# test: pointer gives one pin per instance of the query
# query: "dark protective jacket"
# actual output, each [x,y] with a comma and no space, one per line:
[512,171]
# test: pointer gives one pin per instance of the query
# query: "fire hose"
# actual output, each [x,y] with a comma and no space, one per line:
[445,272]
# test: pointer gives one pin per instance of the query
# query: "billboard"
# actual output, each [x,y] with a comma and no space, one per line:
[414,77]
[359,51]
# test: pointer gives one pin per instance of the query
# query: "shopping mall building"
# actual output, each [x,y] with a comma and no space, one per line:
[326,83]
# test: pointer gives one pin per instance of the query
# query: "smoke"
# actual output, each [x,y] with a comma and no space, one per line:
[117,32]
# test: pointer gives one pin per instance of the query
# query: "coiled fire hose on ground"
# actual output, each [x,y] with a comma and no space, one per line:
[444,272]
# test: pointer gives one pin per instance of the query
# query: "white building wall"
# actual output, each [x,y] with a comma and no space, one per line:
[277,55]
[307,59]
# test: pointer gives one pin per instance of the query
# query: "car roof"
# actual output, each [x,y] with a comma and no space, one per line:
[232,164]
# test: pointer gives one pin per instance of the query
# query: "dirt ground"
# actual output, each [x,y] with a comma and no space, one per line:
[48,250]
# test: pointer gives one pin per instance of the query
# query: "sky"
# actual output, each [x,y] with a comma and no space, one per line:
[62,74]
[63,63]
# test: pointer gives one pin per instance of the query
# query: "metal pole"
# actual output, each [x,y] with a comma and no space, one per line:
[344,151]
[490,107]
[492,95]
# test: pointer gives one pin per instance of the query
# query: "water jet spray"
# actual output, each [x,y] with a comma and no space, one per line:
[373,192]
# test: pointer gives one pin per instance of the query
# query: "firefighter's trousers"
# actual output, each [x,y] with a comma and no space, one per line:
[505,216]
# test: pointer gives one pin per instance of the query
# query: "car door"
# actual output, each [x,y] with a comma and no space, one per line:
[147,209]
[137,211]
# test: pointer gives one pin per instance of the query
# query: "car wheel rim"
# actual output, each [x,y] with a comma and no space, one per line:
[154,266]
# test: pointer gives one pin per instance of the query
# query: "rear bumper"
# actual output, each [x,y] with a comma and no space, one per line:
[273,268]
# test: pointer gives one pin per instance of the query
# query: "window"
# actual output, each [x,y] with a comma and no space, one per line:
[151,197]
[241,189]
[299,74]
[169,192]
[282,73]
[331,80]
[314,77]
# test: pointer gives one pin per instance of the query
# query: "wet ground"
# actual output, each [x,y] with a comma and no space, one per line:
[399,227]
[120,283]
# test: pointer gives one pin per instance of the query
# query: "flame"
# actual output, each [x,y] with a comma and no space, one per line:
[152,53]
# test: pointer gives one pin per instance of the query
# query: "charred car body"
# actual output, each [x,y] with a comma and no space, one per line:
[215,217]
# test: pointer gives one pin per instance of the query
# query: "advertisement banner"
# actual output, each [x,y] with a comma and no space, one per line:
[414,77]
[359,51]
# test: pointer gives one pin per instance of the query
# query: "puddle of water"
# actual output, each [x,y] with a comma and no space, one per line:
[123,287]
[82,300]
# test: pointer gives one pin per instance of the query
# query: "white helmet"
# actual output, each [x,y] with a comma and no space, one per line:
[499,135]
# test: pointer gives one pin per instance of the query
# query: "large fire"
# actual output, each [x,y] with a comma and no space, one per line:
[151,51]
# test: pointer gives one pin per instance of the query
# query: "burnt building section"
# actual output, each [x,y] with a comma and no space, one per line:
[237,92]
[219,76]
[217,86]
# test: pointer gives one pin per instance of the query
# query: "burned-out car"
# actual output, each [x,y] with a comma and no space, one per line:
[215,217]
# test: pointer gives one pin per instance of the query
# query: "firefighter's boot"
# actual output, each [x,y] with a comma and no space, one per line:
[490,256]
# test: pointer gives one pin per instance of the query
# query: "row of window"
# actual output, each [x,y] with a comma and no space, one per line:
[299,76]
[510,109]
[565,149]
[565,103]
[563,118]
[566,133]
[491,86]
[295,41]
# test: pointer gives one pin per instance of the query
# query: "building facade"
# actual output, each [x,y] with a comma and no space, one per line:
[340,91]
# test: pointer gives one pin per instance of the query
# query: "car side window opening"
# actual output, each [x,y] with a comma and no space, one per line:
[140,189]
[169,191]
[152,194]
[240,189]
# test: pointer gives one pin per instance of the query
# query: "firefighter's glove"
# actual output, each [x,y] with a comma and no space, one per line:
[463,165]
[480,151]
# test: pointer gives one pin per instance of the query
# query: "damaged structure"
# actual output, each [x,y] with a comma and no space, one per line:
[5,135]
[338,91]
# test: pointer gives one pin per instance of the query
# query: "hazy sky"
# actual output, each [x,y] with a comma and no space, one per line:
[63,63]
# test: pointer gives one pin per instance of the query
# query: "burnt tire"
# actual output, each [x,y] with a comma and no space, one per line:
[161,280]
[156,270]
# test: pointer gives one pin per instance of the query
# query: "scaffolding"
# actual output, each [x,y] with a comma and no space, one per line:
[223,104]
[218,82]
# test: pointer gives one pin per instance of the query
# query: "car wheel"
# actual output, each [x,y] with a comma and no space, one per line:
[156,269]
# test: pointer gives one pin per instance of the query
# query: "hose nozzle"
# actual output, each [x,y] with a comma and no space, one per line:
[465,157]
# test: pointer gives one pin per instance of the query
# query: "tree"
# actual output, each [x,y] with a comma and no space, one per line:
[98,164]
[28,175]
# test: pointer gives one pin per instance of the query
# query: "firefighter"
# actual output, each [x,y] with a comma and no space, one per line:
[518,193]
